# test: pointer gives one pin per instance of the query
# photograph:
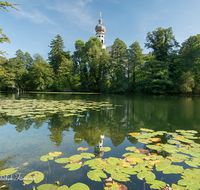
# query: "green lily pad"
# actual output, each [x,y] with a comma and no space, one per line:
[114,161]
[45,158]
[149,176]
[119,176]
[47,187]
[35,176]
[132,148]
[93,162]
[105,149]
[62,160]
[191,163]
[156,184]
[8,171]
[96,175]
[162,165]
[190,183]
[87,155]
[63,187]
[82,148]
[154,147]
[178,187]
[75,157]
[73,166]
[55,154]
[79,186]
[144,141]
[146,130]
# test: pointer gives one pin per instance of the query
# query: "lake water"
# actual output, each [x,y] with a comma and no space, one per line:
[24,142]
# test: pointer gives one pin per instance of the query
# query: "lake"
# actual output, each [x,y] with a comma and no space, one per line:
[25,138]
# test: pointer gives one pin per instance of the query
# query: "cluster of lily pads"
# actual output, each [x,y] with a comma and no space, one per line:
[143,163]
[27,109]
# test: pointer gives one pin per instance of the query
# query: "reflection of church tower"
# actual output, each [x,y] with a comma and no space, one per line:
[97,148]
[100,30]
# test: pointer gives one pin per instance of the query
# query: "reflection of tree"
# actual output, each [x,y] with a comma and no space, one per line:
[3,120]
[57,124]
[3,165]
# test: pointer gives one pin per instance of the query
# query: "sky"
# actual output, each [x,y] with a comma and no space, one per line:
[37,22]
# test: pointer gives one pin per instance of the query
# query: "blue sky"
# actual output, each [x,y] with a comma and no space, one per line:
[32,28]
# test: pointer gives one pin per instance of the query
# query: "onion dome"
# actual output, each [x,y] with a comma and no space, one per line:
[100,27]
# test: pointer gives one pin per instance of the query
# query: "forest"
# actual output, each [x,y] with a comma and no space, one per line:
[169,68]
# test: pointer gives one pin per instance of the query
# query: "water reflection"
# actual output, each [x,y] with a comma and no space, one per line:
[97,149]
[3,165]
[155,112]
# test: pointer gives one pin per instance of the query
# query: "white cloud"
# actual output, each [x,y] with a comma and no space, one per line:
[75,11]
[34,16]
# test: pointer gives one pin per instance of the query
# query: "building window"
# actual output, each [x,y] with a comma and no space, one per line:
[102,41]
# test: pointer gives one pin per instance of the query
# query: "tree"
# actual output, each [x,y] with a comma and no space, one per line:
[163,43]
[41,74]
[3,6]
[117,66]
[135,59]
[78,56]
[154,78]
[93,52]
[55,56]
[64,74]
[190,59]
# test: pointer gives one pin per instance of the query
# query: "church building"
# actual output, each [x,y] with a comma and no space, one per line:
[100,32]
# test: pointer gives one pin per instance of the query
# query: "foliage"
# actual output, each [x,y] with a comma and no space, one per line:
[154,78]
[162,41]
[57,53]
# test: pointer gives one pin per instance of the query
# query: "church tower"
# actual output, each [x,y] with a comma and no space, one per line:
[100,32]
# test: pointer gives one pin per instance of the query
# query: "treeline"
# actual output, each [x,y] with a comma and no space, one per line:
[170,68]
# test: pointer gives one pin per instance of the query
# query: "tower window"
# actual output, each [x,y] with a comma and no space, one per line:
[102,41]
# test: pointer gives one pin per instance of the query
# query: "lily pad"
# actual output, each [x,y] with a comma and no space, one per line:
[87,155]
[82,148]
[35,176]
[55,154]
[62,160]
[79,186]
[105,149]
[73,166]
[45,158]
[119,176]
[157,184]
[178,187]
[115,186]
[63,187]
[149,176]
[190,183]
[96,175]
[75,157]
[8,171]
[47,187]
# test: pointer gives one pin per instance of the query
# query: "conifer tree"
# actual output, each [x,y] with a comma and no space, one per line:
[55,56]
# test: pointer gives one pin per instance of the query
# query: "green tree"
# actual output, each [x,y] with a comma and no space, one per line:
[41,74]
[187,82]
[135,59]
[190,59]
[4,7]
[64,73]
[55,56]
[163,43]
[93,52]
[154,78]
[118,66]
